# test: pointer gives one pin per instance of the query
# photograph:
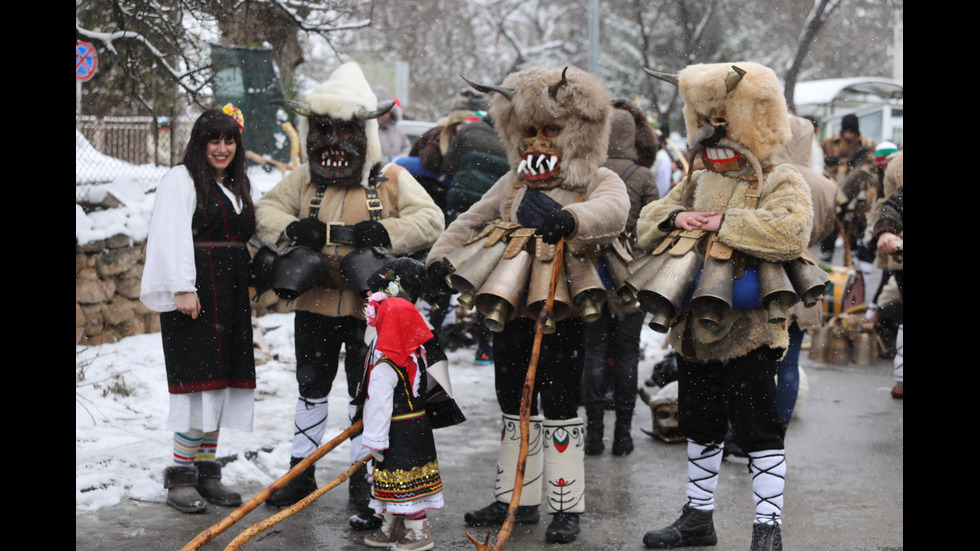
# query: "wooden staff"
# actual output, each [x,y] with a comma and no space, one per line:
[236,515]
[259,527]
[525,412]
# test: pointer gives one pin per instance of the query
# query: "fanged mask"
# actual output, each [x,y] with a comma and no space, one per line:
[336,150]
[540,156]
[714,128]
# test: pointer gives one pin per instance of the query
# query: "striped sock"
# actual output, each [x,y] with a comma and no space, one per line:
[208,449]
[186,445]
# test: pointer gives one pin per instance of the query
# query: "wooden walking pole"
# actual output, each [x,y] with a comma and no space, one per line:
[495,544]
[236,515]
[260,527]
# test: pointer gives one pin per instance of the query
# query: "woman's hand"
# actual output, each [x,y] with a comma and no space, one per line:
[188,303]
[707,221]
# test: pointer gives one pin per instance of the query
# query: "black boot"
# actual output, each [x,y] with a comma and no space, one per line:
[181,485]
[766,537]
[303,485]
[496,513]
[694,527]
[210,487]
[594,430]
[622,441]
[359,497]
[563,528]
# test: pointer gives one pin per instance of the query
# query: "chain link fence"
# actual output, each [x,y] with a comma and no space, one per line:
[108,148]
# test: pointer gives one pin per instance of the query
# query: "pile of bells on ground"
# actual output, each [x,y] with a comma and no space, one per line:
[507,269]
[847,338]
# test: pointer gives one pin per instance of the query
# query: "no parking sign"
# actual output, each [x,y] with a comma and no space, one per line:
[86,61]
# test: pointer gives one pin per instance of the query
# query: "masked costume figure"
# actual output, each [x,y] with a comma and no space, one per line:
[344,200]
[739,220]
[554,124]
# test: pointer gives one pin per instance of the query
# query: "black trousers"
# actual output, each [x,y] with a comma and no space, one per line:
[742,390]
[617,336]
[558,379]
[318,341]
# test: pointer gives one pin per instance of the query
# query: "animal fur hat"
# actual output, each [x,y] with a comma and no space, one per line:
[581,106]
[755,109]
[345,93]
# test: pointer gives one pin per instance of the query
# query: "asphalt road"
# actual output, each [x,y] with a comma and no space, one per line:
[844,490]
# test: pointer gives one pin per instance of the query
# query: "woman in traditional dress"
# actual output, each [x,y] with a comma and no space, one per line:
[197,275]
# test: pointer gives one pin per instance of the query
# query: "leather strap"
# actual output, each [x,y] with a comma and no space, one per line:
[239,244]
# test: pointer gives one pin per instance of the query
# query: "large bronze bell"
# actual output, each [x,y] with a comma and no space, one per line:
[618,271]
[663,294]
[809,280]
[455,259]
[537,295]
[500,295]
[712,299]
[776,291]
[642,272]
[585,287]
[472,273]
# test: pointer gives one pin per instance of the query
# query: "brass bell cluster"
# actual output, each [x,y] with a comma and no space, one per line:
[663,280]
[498,275]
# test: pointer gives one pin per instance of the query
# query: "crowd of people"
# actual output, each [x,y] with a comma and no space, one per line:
[551,187]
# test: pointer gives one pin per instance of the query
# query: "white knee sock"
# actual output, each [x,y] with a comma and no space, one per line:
[309,425]
[703,464]
[768,468]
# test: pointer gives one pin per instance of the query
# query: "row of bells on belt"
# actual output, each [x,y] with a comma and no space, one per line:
[499,287]
[660,285]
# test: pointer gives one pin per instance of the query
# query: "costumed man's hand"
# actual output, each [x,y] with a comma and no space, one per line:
[309,232]
[708,221]
[371,233]
[436,273]
[188,303]
[556,225]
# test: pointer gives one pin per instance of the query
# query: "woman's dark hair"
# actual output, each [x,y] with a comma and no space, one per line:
[211,125]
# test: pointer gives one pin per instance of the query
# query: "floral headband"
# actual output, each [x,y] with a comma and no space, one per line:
[236,114]
[393,289]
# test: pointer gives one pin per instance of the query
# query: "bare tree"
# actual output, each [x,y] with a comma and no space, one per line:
[151,42]
[822,9]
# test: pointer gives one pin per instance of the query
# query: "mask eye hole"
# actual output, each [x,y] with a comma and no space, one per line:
[551,131]
[530,132]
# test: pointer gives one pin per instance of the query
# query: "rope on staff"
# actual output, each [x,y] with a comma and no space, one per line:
[247,507]
[261,526]
[496,543]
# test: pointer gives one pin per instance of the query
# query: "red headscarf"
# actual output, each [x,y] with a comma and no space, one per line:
[401,331]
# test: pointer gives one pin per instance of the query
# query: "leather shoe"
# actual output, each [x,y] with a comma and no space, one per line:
[563,528]
[496,513]
[766,537]
[694,527]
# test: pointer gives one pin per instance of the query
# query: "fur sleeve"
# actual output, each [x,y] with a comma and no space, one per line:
[602,216]
[779,228]
[279,207]
[648,232]
[471,222]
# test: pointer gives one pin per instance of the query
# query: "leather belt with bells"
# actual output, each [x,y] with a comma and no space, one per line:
[340,234]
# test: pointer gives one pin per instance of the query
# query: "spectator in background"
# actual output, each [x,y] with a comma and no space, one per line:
[394,142]
[615,337]
[663,165]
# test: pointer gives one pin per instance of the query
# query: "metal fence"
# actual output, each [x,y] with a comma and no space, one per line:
[107,148]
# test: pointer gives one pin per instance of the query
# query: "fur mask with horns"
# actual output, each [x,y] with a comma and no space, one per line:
[571,99]
[342,113]
[732,106]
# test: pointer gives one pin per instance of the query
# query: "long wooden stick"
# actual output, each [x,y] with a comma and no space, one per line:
[247,507]
[495,544]
[260,527]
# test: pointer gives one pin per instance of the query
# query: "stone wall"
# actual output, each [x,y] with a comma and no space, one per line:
[107,292]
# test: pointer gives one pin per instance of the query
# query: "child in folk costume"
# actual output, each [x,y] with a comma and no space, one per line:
[397,432]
